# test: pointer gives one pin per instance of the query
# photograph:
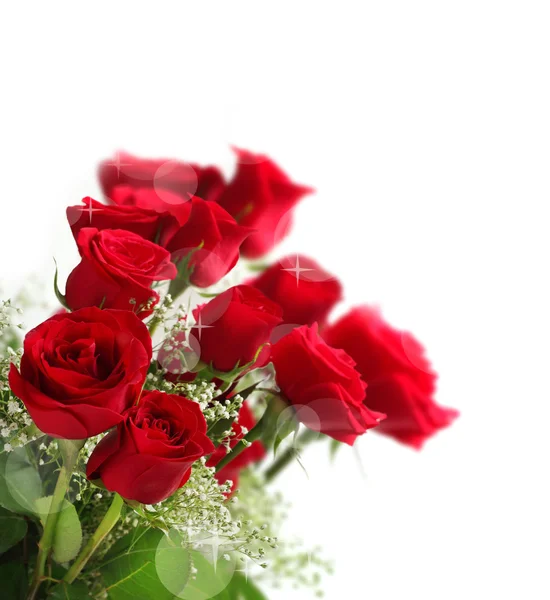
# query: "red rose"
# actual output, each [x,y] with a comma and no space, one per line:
[80,371]
[148,224]
[149,456]
[117,266]
[125,196]
[248,456]
[212,237]
[169,181]
[234,326]
[261,196]
[303,289]
[323,385]
[400,379]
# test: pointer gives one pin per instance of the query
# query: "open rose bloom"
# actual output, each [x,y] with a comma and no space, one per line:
[141,423]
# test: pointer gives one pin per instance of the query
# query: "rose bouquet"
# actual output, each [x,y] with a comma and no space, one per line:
[141,422]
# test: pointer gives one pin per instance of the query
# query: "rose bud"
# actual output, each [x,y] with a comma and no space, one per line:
[303,289]
[148,224]
[117,270]
[170,182]
[234,328]
[80,371]
[252,454]
[149,455]
[261,196]
[210,238]
[400,379]
[323,385]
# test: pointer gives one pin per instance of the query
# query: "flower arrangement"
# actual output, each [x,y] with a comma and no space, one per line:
[140,424]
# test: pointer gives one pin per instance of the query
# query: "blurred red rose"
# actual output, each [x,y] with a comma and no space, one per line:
[171,182]
[149,456]
[80,371]
[323,385]
[234,326]
[148,224]
[248,456]
[302,288]
[211,238]
[117,266]
[261,196]
[400,379]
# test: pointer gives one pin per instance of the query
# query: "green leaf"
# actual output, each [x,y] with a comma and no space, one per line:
[62,299]
[208,583]
[68,531]
[76,591]
[14,581]
[242,588]
[20,483]
[130,570]
[13,529]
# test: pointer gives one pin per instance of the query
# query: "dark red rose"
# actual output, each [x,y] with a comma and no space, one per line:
[213,238]
[303,289]
[400,379]
[261,196]
[234,326]
[169,180]
[80,371]
[252,454]
[117,266]
[322,383]
[149,224]
[149,455]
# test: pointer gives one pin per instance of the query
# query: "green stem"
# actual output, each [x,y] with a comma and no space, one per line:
[290,454]
[69,451]
[253,435]
[153,326]
[109,521]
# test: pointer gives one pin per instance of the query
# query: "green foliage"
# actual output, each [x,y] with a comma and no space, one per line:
[13,529]
[20,483]
[209,581]
[242,588]
[14,582]
[278,422]
[334,446]
[76,591]
[68,531]
[129,570]
[185,270]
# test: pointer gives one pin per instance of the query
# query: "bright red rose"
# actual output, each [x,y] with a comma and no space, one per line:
[400,379]
[261,196]
[247,457]
[117,266]
[303,289]
[80,371]
[149,224]
[170,181]
[171,203]
[150,454]
[234,326]
[212,237]
[323,385]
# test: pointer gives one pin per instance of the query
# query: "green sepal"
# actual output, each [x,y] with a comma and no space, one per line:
[183,278]
[62,299]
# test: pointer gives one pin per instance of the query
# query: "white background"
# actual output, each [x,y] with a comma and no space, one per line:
[425,127]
